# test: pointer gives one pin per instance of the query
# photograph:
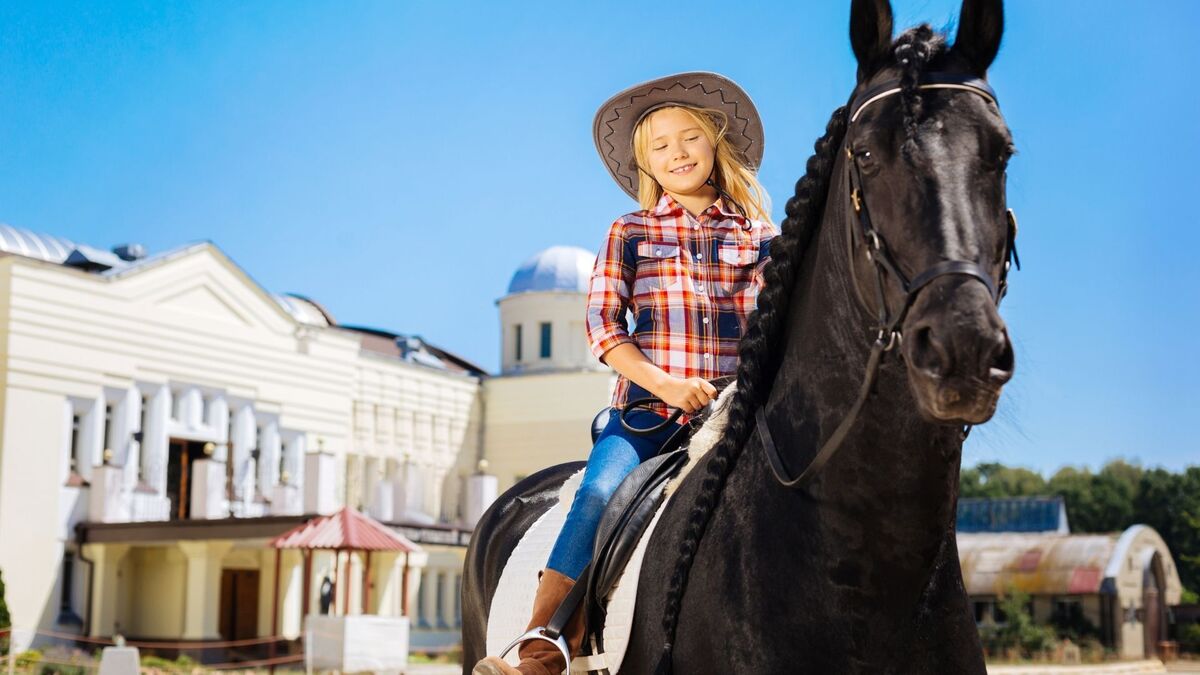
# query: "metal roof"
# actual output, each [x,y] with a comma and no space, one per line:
[1016,514]
[346,530]
[558,268]
[1036,563]
[35,245]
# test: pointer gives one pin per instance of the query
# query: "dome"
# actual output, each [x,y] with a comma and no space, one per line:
[558,268]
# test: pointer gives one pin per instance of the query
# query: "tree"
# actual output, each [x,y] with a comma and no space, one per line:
[5,618]
[1016,629]
[996,480]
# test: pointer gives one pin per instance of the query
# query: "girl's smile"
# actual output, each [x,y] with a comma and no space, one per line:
[681,158]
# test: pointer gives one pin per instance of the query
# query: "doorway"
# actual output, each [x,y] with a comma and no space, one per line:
[180,455]
[239,604]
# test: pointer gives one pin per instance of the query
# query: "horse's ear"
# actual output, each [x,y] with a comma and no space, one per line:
[870,34]
[980,26]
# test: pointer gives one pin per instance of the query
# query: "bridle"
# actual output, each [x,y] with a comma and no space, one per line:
[866,236]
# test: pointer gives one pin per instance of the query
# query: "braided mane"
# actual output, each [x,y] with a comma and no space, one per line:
[760,347]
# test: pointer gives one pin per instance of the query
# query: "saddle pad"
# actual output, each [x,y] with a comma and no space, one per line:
[512,603]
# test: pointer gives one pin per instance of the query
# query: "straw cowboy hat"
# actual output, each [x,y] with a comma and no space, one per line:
[617,118]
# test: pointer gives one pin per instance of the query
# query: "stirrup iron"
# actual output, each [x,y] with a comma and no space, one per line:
[535,633]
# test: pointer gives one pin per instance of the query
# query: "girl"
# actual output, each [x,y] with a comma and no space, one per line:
[688,265]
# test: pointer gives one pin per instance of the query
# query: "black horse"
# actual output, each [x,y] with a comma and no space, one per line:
[900,220]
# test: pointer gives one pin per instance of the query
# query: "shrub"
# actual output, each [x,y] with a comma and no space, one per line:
[5,618]
[1018,634]
[1189,638]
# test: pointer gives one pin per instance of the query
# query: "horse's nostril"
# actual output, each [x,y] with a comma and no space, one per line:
[928,353]
[998,362]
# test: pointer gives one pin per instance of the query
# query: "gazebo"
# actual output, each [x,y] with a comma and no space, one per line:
[345,532]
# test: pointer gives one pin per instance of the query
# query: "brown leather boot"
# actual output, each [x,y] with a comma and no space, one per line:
[539,657]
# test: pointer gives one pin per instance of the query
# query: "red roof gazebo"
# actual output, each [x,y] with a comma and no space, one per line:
[346,531]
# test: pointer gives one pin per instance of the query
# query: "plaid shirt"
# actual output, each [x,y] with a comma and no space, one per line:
[690,283]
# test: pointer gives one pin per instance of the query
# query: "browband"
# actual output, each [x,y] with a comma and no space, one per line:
[927,81]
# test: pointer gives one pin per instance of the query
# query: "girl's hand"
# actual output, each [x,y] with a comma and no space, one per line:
[688,395]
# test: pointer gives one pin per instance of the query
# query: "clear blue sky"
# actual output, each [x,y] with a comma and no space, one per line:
[398,160]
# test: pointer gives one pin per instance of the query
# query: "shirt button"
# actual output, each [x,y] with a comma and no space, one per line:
[705,319]
[658,251]
[699,256]
[707,356]
[695,226]
[700,288]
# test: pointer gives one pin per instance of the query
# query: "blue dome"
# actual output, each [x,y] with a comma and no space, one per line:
[558,268]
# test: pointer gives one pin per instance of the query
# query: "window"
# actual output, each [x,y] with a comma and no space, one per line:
[422,619]
[108,431]
[544,351]
[517,342]
[458,601]
[66,612]
[76,427]
[145,416]
[438,599]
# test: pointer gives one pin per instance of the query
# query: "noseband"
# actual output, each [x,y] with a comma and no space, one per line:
[878,252]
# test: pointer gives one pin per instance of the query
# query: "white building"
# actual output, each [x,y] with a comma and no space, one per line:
[164,416]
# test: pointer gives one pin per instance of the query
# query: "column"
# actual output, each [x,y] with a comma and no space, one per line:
[130,450]
[242,441]
[105,593]
[155,441]
[268,456]
[218,418]
[202,595]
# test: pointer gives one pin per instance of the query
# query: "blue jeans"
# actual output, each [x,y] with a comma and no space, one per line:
[615,454]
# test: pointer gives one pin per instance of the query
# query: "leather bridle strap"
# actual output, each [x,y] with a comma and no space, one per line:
[880,255]
[835,440]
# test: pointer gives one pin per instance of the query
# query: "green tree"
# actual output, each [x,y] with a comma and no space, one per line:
[1016,629]
[5,618]
[1170,503]
[992,480]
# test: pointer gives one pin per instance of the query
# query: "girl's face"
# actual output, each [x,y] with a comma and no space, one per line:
[681,156]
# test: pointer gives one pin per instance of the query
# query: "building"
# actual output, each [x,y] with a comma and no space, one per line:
[539,409]
[164,416]
[1122,584]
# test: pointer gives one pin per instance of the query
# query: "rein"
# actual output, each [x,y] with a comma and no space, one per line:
[877,251]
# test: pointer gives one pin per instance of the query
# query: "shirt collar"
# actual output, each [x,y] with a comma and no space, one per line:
[668,206]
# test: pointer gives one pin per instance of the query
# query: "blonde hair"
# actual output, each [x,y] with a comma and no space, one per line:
[732,175]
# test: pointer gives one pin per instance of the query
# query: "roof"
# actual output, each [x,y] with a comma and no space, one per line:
[34,244]
[346,530]
[558,268]
[412,349]
[1015,514]
[131,258]
[1051,563]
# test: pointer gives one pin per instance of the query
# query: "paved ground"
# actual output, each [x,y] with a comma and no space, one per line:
[1120,668]
[434,669]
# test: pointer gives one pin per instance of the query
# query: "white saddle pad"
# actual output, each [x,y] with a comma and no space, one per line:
[512,605]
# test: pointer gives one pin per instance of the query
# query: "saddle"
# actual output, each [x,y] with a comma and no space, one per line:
[628,513]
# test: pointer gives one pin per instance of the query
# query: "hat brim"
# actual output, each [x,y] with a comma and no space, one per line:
[613,126]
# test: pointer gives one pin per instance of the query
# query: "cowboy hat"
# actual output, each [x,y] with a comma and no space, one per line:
[616,119]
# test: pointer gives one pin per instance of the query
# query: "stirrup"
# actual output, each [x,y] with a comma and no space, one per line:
[535,633]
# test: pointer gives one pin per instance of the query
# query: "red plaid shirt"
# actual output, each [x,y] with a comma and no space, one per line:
[690,282]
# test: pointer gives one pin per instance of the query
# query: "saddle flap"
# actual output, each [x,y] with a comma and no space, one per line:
[629,511]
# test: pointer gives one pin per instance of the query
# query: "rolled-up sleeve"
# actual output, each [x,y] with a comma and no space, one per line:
[608,292]
[764,257]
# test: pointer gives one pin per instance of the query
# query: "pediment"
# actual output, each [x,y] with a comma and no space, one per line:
[207,302]
[205,284]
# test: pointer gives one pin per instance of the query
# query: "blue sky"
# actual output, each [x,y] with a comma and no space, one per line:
[398,160]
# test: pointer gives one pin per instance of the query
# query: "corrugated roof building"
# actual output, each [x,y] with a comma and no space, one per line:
[1121,583]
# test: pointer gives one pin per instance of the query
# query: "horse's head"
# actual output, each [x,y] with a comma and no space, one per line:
[929,229]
